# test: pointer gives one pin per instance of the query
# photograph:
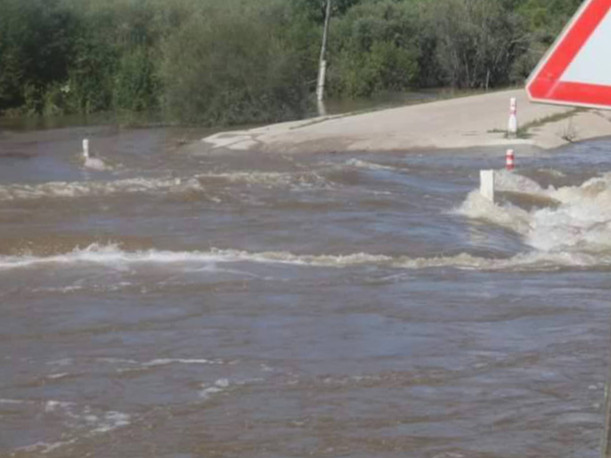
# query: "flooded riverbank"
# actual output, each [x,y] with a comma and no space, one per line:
[182,305]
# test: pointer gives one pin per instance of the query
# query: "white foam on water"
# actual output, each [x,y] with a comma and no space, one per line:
[265,178]
[155,186]
[573,229]
[12,401]
[165,362]
[553,172]
[218,387]
[531,261]
[578,223]
[94,163]
[45,447]
[113,256]
[110,421]
[299,180]
[110,256]
[478,207]
[116,361]
[52,406]
[59,289]
[369,165]
[58,376]
[79,422]
[77,189]
[98,288]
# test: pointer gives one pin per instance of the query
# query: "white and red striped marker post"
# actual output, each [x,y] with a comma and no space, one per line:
[512,125]
[510,160]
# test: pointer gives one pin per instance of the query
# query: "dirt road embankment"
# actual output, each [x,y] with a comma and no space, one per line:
[456,123]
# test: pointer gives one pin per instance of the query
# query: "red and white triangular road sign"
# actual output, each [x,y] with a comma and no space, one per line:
[577,69]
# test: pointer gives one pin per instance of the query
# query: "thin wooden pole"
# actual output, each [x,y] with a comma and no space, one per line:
[322,64]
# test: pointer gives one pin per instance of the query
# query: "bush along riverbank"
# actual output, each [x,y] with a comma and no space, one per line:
[221,62]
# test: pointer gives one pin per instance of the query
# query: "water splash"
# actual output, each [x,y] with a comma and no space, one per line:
[573,218]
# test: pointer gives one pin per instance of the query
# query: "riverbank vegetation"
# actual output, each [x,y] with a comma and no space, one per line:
[219,62]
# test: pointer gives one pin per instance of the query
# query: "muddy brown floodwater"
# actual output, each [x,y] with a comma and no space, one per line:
[175,304]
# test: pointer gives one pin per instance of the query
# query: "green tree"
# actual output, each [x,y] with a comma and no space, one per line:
[232,61]
[374,48]
[36,44]
[229,66]
[475,42]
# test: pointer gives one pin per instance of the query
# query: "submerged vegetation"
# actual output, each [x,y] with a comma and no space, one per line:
[235,61]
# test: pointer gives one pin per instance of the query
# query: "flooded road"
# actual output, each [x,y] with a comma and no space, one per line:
[176,304]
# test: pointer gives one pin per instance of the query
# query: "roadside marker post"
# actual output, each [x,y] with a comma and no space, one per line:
[510,160]
[486,184]
[512,125]
[486,177]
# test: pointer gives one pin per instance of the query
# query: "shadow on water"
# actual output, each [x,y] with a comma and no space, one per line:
[384,100]
[32,123]
[333,106]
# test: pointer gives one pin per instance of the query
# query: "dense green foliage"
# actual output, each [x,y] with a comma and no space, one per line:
[237,61]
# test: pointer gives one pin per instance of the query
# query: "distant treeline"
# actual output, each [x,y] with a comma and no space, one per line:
[237,61]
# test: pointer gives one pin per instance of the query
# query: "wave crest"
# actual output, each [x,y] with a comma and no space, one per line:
[114,257]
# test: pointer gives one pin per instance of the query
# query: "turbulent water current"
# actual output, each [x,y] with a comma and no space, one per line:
[180,304]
